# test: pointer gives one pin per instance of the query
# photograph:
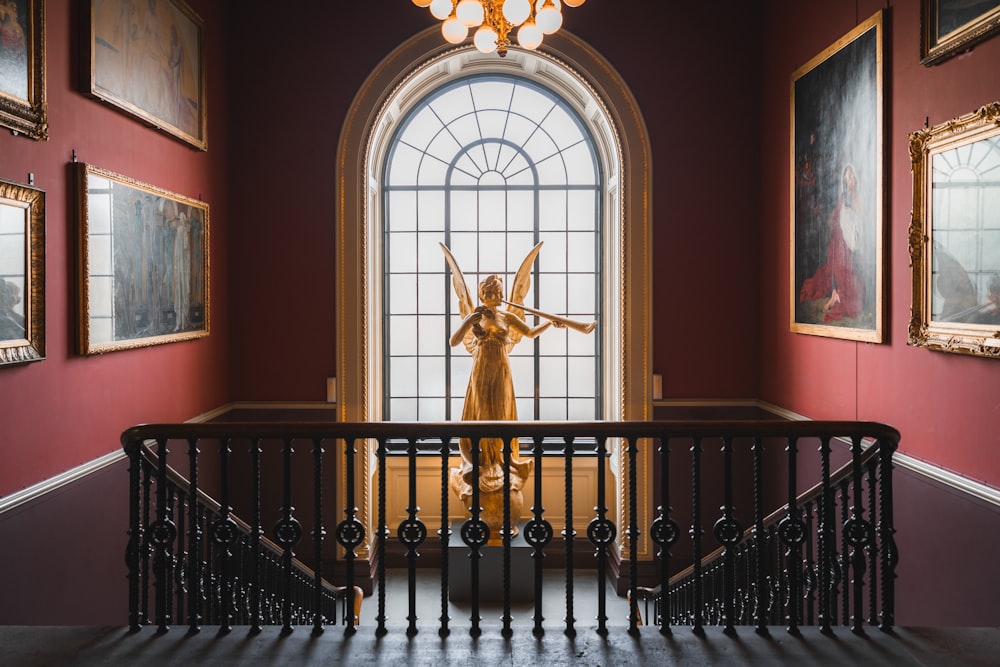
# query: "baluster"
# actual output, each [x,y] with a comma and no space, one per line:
[445,535]
[792,532]
[162,533]
[133,552]
[506,533]
[633,533]
[857,532]
[412,532]
[318,533]
[256,531]
[180,560]
[824,538]
[886,531]
[225,533]
[664,532]
[569,535]
[287,534]
[350,531]
[759,536]
[475,534]
[696,536]
[538,533]
[195,534]
[871,550]
[728,532]
[380,538]
[843,569]
[602,533]
[809,569]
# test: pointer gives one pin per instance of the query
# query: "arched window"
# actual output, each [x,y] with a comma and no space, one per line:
[490,165]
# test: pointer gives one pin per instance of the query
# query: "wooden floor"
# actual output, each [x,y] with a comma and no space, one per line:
[92,646]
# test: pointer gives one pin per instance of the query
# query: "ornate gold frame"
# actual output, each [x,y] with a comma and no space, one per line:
[28,115]
[136,242]
[154,93]
[935,48]
[960,333]
[32,202]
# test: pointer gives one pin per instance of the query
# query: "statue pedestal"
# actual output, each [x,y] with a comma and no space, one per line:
[522,569]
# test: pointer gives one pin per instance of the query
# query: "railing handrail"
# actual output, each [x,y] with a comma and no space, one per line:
[507,429]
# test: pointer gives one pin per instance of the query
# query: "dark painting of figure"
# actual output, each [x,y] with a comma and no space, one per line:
[837,189]
[14,48]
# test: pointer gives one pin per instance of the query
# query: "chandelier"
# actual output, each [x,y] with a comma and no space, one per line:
[494,20]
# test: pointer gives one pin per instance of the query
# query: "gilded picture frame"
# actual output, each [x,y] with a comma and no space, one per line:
[143,264]
[954,236]
[950,27]
[22,273]
[148,60]
[22,68]
[837,194]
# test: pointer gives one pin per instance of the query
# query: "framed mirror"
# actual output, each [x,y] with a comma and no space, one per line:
[954,237]
[22,273]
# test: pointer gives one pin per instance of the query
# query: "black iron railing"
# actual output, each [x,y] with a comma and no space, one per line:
[687,467]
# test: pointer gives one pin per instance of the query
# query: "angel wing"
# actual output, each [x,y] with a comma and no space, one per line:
[465,303]
[519,289]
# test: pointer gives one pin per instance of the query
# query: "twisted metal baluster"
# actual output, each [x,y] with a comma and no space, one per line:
[412,533]
[445,536]
[886,531]
[633,534]
[809,570]
[475,534]
[568,536]
[195,590]
[136,532]
[824,538]
[842,569]
[858,533]
[256,532]
[871,550]
[224,534]
[287,533]
[506,533]
[696,536]
[162,533]
[792,532]
[318,534]
[350,531]
[728,532]
[759,536]
[538,533]
[380,538]
[602,532]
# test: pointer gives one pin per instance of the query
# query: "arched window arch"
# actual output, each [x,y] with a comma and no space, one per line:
[598,96]
[490,165]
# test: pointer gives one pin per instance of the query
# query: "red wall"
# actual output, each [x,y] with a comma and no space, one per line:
[69,409]
[946,406]
[694,80]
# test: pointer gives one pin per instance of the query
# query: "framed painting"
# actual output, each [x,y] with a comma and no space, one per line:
[22,68]
[147,58]
[143,264]
[22,273]
[838,201]
[954,235]
[949,27]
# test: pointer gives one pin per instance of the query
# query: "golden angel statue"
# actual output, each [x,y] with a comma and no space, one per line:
[489,332]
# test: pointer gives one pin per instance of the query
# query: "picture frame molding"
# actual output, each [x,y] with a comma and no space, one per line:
[876,334]
[133,108]
[29,116]
[981,340]
[934,51]
[32,347]
[86,342]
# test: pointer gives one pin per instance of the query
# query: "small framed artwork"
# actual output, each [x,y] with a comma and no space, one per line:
[143,264]
[838,202]
[22,273]
[954,235]
[949,27]
[22,68]
[147,59]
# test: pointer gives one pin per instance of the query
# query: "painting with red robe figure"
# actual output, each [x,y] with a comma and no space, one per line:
[837,189]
